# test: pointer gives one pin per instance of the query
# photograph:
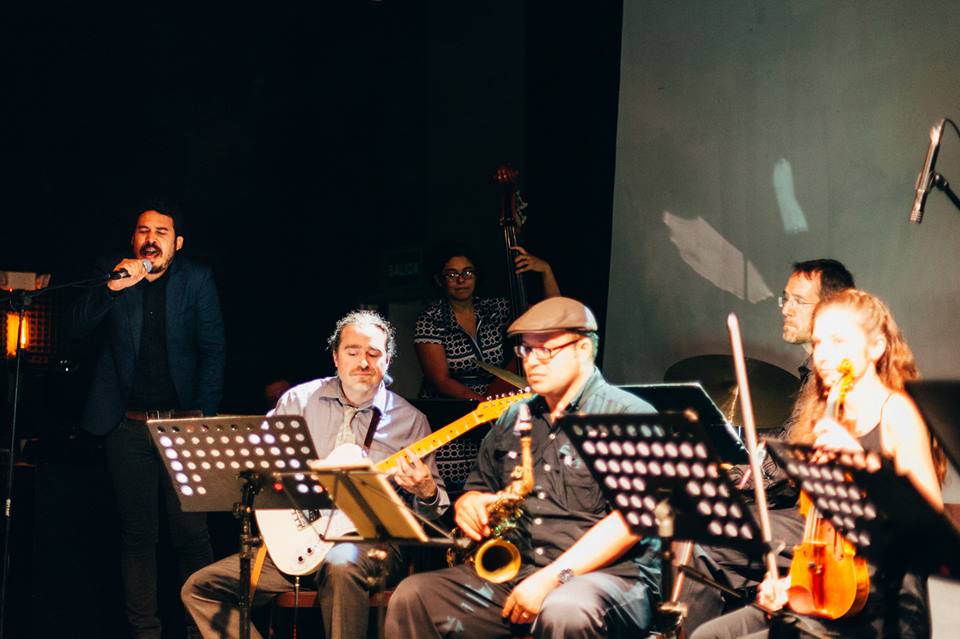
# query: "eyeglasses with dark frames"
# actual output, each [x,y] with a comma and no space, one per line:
[542,353]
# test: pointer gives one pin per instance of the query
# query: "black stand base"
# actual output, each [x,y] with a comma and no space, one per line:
[249,543]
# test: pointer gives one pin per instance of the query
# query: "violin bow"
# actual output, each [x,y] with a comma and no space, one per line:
[746,408]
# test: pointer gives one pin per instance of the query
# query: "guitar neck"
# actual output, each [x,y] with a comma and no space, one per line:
[434,441]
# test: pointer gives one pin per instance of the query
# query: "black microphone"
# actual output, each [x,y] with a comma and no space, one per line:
[925,179]
[121,273]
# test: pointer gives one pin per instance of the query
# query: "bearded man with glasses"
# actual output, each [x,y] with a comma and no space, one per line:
[809,282]
[583,573]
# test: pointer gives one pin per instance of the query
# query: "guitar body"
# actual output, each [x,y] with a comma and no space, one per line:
[296,545]
[295,539]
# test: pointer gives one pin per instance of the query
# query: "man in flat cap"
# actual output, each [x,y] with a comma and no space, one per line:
[583,573]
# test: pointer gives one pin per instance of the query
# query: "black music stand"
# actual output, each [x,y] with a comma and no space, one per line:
[875,508]
[677,397]
[664,476]
[211,459]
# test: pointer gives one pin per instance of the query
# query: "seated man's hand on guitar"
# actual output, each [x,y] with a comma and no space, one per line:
[470,514]
[772,593]
[414,476]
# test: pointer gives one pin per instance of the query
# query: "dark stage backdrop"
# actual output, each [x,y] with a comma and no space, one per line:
[305,143]
[316,147]
[755,134]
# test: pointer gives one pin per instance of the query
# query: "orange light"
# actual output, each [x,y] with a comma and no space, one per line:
[12,325]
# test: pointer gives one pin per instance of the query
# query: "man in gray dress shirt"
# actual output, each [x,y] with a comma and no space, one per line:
[338,410]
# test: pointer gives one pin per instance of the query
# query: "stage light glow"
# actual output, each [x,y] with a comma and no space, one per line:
[13,326]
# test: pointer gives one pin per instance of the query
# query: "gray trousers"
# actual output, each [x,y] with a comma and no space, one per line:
[455,602]
[211,594]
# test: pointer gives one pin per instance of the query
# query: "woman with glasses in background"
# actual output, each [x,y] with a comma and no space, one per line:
[461,329]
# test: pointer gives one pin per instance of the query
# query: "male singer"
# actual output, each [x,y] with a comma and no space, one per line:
[162,356]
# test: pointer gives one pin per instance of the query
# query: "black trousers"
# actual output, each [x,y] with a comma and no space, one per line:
[139,482]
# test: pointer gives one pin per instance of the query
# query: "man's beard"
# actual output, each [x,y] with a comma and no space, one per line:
[156,267]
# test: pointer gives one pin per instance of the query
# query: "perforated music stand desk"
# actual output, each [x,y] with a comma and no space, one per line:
[875,508]
[205,457]
[221,463]
[664,476]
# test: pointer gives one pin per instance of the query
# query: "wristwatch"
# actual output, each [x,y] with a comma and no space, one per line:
[565,575]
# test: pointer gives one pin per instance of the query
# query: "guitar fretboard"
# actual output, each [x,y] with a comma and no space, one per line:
[484,413]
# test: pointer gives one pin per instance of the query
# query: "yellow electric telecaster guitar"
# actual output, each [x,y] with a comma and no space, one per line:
[295,538]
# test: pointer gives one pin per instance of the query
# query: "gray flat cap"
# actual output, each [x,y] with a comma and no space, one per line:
[554,314]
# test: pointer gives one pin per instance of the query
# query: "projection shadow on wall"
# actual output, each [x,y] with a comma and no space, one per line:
[752,135]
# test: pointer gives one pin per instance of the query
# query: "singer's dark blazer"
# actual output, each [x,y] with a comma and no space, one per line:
[195,342]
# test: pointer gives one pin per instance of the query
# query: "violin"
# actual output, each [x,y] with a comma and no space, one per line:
[827,578]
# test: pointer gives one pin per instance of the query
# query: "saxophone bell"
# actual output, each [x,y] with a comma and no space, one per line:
[498,560]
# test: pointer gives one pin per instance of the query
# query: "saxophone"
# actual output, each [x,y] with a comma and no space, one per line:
[496,559]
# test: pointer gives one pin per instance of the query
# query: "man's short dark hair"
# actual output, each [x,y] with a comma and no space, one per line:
[834,276]
[595,340]
[364,316]
[170,209]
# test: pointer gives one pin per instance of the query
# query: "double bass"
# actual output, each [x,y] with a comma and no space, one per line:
[512,219]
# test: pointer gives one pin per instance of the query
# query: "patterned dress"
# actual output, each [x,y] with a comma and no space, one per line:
[438,325]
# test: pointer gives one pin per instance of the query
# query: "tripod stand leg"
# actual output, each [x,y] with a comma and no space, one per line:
[378,583]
